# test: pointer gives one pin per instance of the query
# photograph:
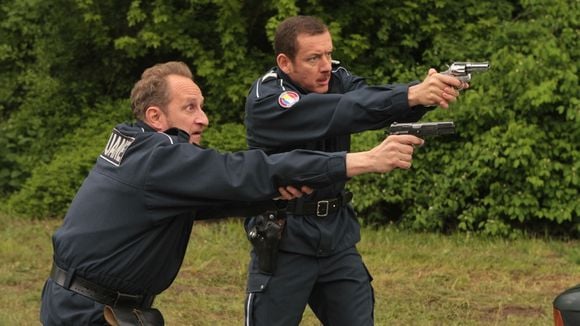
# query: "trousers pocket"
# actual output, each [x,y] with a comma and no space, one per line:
[257,283]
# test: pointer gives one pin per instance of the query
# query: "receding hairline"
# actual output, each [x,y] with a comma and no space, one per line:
[152,88]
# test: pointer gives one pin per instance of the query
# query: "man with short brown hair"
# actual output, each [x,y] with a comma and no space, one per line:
[308,101]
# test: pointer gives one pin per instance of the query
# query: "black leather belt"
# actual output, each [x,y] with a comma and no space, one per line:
[98,293]
[320,208]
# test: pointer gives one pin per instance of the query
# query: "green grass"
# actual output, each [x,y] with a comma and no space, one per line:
[419,279]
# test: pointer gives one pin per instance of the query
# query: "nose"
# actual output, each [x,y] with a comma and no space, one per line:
[326,63]
[201,118]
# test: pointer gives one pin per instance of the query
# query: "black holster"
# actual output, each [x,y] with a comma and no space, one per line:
[265,236]
[128,316]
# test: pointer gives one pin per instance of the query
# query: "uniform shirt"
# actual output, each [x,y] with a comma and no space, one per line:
[280,116]
[128,226]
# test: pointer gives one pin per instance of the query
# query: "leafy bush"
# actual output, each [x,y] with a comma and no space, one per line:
[513,166]
[227,137]
[51,187]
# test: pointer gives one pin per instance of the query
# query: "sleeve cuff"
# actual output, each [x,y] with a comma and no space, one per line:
[337,167]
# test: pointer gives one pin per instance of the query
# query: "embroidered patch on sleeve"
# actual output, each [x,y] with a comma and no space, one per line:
[116,147]
[288,99]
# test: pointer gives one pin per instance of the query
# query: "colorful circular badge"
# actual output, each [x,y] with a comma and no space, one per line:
[288,99]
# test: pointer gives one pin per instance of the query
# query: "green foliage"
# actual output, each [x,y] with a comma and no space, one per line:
[65,66]
[512,167]
[51,187]
[227,137]
[514,164]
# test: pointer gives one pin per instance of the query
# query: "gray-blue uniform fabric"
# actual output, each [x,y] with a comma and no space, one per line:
[128,227]
[318,260]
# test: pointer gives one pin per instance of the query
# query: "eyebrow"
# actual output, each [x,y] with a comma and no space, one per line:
[319,52]
[194,100]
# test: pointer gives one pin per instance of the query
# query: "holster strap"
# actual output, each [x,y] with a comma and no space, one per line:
[320,208]
[123,316]
[97,292]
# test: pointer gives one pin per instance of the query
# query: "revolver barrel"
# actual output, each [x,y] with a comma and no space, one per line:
[476,66]
[468,67]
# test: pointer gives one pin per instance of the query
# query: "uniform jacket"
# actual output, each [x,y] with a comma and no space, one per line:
[280,116]
[129,224]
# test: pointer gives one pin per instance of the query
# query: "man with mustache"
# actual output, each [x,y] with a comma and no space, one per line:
[308,101]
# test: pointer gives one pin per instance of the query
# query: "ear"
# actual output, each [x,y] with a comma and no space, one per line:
[284,63]
[155,117]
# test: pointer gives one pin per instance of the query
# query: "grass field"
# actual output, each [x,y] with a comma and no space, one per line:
[419,279]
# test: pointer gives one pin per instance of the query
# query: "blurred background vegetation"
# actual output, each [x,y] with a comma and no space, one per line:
[67,67]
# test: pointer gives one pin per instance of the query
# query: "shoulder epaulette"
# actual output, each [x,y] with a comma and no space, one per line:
[336,67]
[269,75]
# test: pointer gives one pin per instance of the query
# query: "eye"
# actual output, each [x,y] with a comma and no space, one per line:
[313,59]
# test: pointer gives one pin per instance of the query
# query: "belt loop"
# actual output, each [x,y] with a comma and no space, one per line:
[345,197]
[298,204]
[69,277]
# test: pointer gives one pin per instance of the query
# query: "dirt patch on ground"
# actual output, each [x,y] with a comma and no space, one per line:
[503,312]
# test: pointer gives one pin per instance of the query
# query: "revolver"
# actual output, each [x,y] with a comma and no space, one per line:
[463,70]
[423,129]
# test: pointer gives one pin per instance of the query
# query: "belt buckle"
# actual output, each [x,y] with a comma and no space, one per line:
[322,208]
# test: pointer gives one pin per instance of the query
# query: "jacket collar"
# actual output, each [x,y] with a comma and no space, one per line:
[181,135]
[287,79]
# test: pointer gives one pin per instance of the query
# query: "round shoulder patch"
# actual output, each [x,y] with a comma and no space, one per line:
[288,99]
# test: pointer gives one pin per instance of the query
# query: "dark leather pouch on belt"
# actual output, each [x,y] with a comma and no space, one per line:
[125,316]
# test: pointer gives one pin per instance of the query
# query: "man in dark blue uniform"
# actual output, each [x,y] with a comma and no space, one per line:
[124,236]
[310,102]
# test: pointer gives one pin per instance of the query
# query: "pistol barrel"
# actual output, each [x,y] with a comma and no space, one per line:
[423,129]
[476,66]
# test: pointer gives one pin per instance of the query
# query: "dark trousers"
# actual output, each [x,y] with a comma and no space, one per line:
[63,307]
[337,288]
